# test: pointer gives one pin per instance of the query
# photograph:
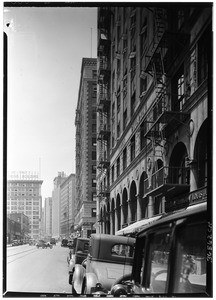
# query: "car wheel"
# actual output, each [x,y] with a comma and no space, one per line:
[74,291]
[122,279]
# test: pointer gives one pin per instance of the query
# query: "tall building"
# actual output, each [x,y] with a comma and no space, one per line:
[67,210]
[85,205]
[24,196]
[47,213]
[154,74]
[56,200]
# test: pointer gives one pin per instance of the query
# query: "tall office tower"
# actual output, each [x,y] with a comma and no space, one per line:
[85,205]
[48,217]
[67,210]
[154,74]
[24,196]
[56,200]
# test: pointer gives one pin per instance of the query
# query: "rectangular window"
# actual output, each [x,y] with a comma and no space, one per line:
[118,129]
[93,214]
[191,277]
[118,167]
[133,99]
[125,158]
[125,119]
[132,147]
[178,90]
[94,142]
[143,139]
[113,173]
[94,196]
[159,253]
[94,182]
[93,155]
[94,169]
[143,86]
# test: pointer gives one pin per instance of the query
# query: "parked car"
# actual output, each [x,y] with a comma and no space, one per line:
[109,258]
[64,243]
[32,242]
[77,254]
[16,243]
[53,241]
[44,245]
[170,256]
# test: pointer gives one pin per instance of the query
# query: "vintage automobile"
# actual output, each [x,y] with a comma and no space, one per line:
[64,243]
[16,243]
[109,257]
[53,241]
[44,245]
[170,256]
[77,254]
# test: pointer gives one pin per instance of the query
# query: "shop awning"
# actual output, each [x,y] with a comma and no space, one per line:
[137,226]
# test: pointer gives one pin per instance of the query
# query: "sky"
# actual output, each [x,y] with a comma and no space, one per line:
[45,50]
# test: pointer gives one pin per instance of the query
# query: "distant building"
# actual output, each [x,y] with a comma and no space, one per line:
[24,196]
[67,211]
[56,200]
[85,205]
[154,75]
[18,227]
[48,217]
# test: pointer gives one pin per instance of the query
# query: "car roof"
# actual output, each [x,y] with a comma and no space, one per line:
[102,243]
[83,239]
[172,216]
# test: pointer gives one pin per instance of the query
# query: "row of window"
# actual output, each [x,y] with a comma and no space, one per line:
[195,68]
[18,202]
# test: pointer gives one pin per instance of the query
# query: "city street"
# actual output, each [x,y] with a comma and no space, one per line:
[37,270]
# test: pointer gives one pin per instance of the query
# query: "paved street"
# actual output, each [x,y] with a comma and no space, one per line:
[37,270]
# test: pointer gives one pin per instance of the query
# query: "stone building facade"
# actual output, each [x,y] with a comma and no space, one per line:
[24,197]
[154,94]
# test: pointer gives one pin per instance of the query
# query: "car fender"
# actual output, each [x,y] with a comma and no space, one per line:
[90,281]
[78,276]
[71,265]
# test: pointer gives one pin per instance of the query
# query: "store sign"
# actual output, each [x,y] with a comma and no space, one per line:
[198,196]
[190,199]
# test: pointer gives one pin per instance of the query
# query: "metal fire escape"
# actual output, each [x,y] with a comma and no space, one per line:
[103,99]
[162,119]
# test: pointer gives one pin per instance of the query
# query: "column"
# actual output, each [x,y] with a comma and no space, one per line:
[122,215]
[150,207]
[139,212]
[129,211]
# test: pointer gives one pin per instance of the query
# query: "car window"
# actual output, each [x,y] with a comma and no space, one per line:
[159,254]
[192,259]
[122,250]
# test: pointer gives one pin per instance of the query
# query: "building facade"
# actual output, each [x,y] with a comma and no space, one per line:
[24,196]
[47,214]
[67,210]
[85,122]
[56,201]
[17,227]
[154,75]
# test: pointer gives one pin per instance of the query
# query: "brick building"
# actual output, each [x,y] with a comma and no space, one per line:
[85,204]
